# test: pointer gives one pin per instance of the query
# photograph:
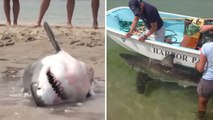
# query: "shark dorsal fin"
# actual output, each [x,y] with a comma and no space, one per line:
[51,37]
[168,60]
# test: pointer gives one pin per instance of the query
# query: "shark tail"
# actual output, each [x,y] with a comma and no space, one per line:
[51,37]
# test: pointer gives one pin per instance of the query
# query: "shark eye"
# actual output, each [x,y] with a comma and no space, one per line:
[56,85]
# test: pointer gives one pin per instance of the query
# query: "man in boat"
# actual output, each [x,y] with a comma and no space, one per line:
[149,14]
[205,65]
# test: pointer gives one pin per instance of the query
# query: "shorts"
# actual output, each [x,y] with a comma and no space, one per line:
[205,88]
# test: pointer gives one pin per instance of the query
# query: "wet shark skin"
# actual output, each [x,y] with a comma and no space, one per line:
[179,74]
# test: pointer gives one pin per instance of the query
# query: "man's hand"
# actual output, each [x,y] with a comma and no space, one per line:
[206,28]
[128,35]
[143,38]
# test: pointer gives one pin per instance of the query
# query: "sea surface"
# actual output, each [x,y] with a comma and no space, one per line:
[57,14]
[162,101]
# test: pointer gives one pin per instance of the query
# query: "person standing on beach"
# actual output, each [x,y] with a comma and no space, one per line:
[205,65]
[95,7]
[16,9]
[45,5]
[70,9]
[150,16]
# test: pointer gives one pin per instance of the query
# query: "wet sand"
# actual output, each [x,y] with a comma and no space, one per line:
[22,45]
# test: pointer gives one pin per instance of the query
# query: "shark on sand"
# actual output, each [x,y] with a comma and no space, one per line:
[58,78]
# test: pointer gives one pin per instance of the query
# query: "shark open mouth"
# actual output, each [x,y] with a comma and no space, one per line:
[56,85]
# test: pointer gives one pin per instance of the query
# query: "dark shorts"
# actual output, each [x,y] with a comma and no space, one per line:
[205,88]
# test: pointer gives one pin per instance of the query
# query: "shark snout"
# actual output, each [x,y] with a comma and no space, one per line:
[34,88]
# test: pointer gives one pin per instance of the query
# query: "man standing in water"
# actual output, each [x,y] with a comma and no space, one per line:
[70,9]
[205,87]
[150,16]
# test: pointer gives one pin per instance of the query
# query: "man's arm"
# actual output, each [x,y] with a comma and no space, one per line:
[199,66]
[152,30]
[133,26]
[206,28]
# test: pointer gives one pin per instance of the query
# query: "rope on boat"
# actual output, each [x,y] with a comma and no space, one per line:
[125,25]
[150,59]
[172,37]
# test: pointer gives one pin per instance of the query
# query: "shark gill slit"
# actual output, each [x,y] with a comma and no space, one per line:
[56,85]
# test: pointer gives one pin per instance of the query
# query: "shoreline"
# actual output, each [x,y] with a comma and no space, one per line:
[53,25]
[57,13]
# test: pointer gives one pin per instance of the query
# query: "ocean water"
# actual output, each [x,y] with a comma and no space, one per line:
[161,101]
[56,14]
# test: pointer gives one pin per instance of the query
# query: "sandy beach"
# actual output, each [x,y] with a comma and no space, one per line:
[22,45]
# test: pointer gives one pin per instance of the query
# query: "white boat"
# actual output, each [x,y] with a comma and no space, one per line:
[151,48]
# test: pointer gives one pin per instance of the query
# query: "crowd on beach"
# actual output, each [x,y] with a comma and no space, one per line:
[43,8]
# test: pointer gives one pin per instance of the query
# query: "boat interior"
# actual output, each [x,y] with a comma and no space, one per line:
[176,27]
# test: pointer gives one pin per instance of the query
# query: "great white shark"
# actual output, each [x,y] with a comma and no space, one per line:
[163,70]
[58,78]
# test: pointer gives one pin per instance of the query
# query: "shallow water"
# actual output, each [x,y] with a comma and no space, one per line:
[161,101]
[56,14]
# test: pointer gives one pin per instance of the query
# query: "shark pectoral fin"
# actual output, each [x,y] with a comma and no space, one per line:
[168,61]
[37,99]
[142,79]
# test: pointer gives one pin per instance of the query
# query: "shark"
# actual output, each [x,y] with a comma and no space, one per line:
[165,70]
[58,78]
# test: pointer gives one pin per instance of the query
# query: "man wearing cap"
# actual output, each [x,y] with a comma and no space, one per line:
[150,16]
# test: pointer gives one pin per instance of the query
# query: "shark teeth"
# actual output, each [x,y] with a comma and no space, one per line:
[56,85]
